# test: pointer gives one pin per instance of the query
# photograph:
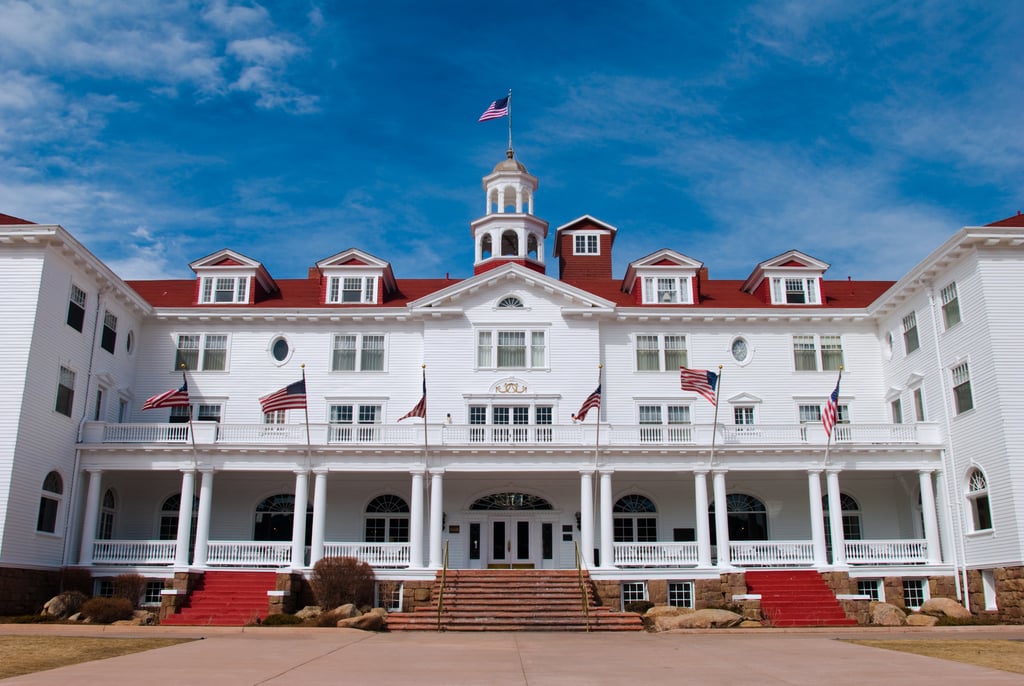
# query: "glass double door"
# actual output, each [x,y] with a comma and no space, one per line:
[510,546]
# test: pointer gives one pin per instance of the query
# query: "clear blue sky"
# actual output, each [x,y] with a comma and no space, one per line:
[861,133]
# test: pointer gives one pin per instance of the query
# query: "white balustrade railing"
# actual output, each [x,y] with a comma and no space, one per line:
[771,553]
[249,553]
[655,554]
[907,551]
[612,435]
[374,554]
[110,552]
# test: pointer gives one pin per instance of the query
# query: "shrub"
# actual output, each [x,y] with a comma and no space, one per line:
[76,579]
[281,620]
[129,586]
[107,610]
[29,619]
[638,606]
[340,580]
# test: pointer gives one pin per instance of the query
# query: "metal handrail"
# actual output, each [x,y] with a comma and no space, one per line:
[584,594]
[444,578]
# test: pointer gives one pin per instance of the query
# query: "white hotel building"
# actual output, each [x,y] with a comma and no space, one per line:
[920,493]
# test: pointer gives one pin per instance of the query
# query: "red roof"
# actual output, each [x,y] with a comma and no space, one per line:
[1015,220]
[306,293]
[6,219]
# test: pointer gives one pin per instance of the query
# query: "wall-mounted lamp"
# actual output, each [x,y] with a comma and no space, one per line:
[579,519]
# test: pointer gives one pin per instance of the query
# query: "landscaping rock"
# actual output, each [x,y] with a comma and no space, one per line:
[945,607]
[922,620]
[699,619]
[667,611]
[347,611]
[371,621]
[309,612]
[64,604]
[750,624]
[884,614]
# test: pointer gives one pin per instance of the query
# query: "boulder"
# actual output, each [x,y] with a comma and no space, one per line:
[144,617]
[64,604]
[347,611]
[309,612]
[945,607]
[371,621]
[379,611]
[699,619]
[667,611]
[884,614]
[921,620]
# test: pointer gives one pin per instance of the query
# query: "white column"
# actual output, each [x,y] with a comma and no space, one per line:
[299,520]
[316,550]
[416,521]
[817,517]
[92,513]
[519,199]
[529,203]
[188,495]
[721,520]
[436,516]
[203,518]
[587,517]
[931,519]
[607,521]
[835,518]
[700,503]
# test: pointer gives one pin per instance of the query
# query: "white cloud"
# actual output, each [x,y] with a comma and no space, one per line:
[235,18]
[272,50]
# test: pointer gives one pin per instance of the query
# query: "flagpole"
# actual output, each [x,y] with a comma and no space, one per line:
[305,409]
[714,424]
[828,442]
[191,432]
[510,120]
[597,434]
[425,448]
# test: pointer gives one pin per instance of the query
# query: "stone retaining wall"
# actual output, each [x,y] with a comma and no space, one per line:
[1009,595]
[24,591]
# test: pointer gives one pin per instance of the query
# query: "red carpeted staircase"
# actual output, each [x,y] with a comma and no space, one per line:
[797,598]
[513,600]
[226,599]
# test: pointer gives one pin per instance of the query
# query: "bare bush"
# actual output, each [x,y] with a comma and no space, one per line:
[340,580]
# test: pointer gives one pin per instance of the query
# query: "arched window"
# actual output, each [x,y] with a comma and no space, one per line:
[635,520]
[486,250]
[105,525]
[511,501]
[509,243]
[532,246]
[275,517]
[49,503]
[510,302]
[851,519]
[977,497]
[387,520]
[748,518]
[169,512]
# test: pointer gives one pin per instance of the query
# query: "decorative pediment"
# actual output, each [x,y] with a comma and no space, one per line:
[744,399]
[227,277]
[892,394]
[225,259]
[509,386]
[792,278]
[344,269]
[353,257]
[665,277]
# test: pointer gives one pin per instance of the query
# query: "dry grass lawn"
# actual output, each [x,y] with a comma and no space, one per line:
[1005,655]
[27,654]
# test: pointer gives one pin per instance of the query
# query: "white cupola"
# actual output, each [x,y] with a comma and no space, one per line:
[508,231]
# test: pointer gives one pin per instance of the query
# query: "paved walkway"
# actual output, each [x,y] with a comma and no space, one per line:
[230,656]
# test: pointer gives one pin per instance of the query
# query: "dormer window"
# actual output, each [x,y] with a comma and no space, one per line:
[794,291]
[671,290]
[224,289]
[352,289]
[586,244]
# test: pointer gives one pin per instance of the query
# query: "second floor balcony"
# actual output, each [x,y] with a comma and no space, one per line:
[507,435]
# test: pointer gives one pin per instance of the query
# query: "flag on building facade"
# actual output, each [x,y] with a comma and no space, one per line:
[593,401]
[830,415]
[497,110]
[291,397]
[176,397]
[420,410]
[701,381]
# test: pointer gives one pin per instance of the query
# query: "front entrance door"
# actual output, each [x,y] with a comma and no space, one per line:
[510,544]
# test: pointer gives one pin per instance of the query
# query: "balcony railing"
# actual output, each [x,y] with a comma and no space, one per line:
[771,553]
[655,554]
[894,552]
[109,552]
[249,553]
[374,554]
[541,435]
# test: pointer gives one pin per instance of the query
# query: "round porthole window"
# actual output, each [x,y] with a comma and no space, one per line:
[280,350]
[740,349]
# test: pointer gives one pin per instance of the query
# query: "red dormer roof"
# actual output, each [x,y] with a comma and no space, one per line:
[1015,220]
[8,219]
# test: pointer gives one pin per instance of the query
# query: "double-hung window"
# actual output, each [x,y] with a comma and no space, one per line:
[911,342]
[794,291]
[49,503]
[202,352]
[896,406]
[743,415]
[507,349]
[65,391]
[950,306]
[108,340]
[355,422]
[358,353]
[76,308]
[831,353]
[918,405]
[977,497]
[805,354]
[586,244]
[224,289]
[962,397]
[660,352]
[352,289]
[664,423]
[666,290]
[810,415]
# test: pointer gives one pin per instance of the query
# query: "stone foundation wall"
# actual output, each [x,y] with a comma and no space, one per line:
[24,591]
[1009,595]
[297,594]
[183,583]
[416,594]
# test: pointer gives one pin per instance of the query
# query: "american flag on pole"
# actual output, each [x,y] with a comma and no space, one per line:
[701,381]
[420,410]
[497,110]
[176,397]
[593,401]
[831,413]
[291,397]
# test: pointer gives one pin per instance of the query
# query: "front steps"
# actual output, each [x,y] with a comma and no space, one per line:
[226,599]
[796,598]
[513,600]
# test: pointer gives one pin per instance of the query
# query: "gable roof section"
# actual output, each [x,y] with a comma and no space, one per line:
[6,220]
[665,260]
[226,258]
[791,259]
[1015,220]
